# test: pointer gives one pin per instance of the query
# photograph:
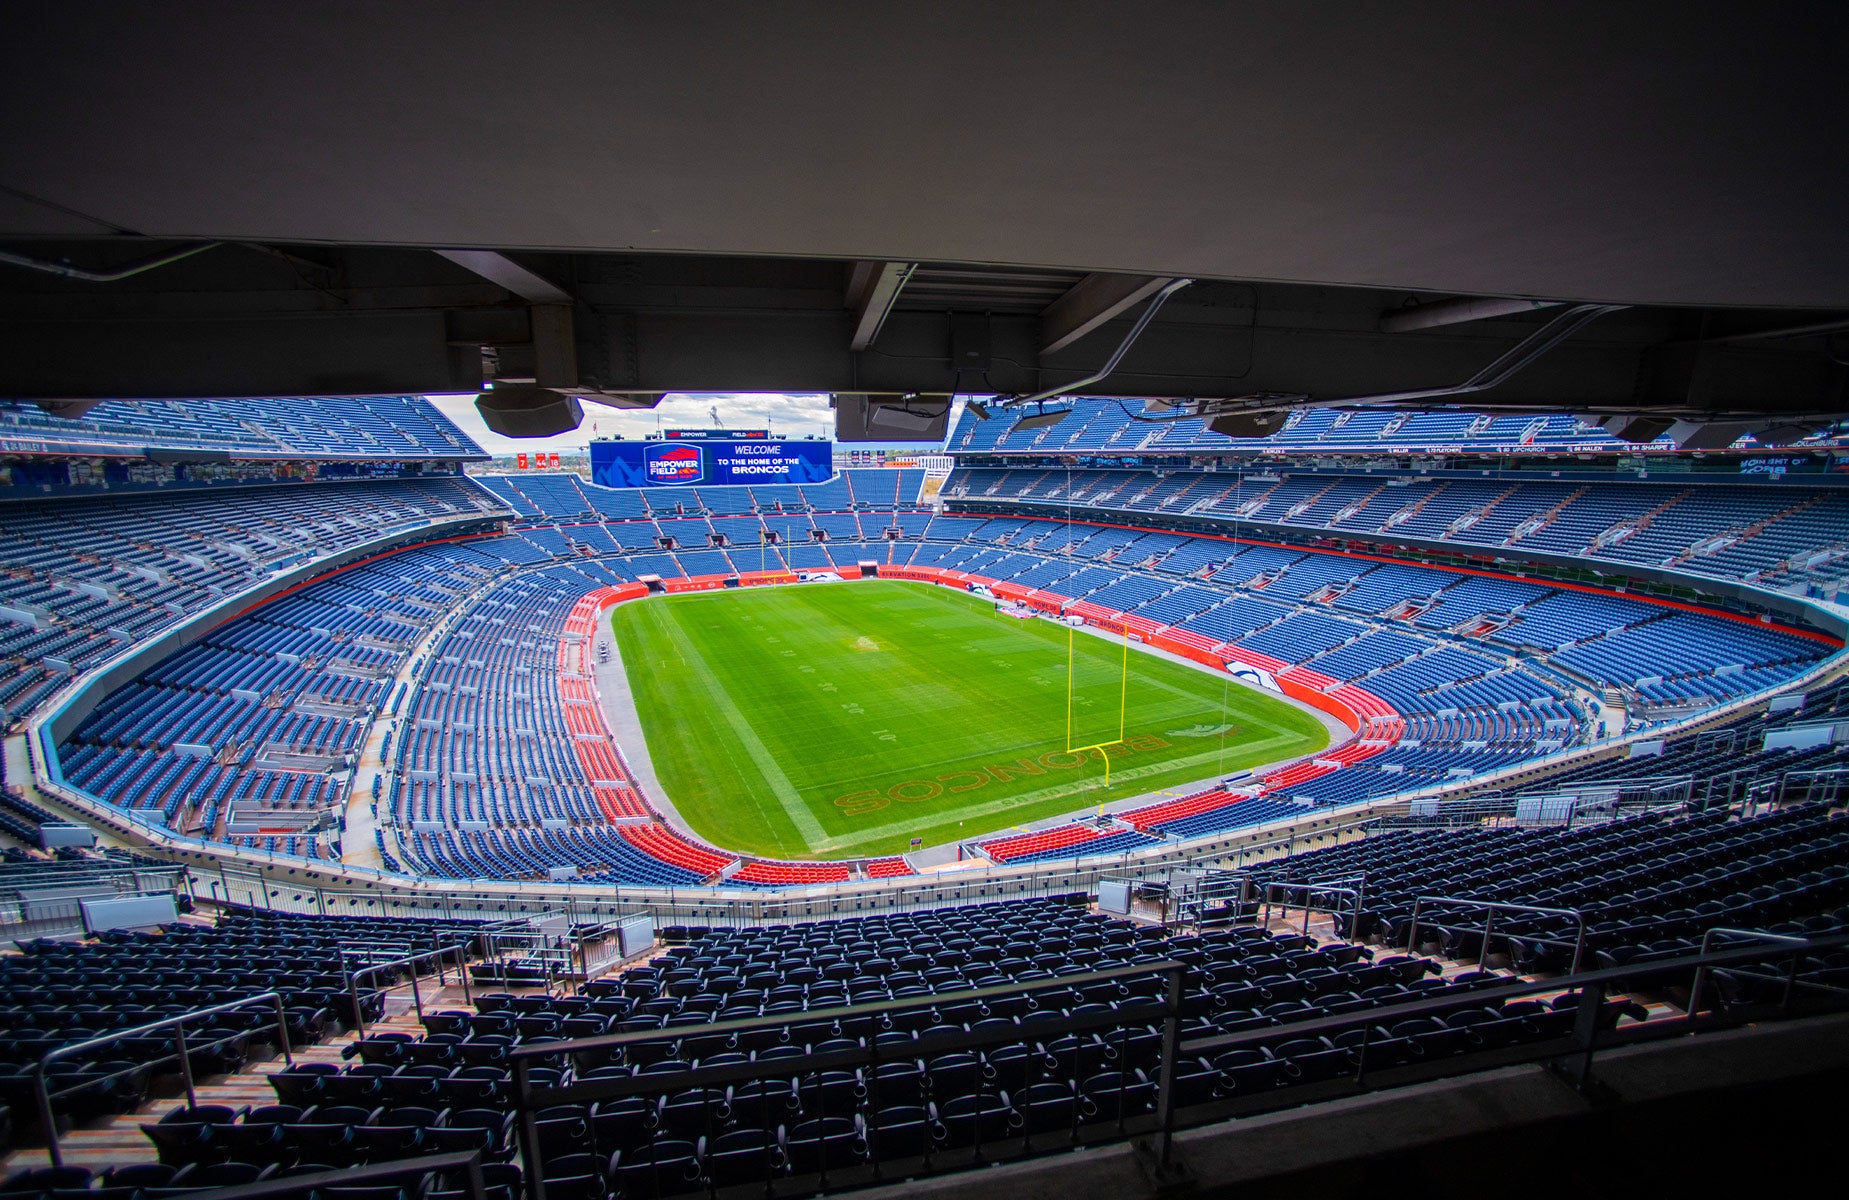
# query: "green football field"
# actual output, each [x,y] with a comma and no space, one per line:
[842,719]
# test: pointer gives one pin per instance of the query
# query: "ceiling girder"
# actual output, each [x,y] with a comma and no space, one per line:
[1090,303]
[498,268]
[872,289]
[402,318]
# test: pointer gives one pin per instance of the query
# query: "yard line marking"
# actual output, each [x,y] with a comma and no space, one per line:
[761,757]
[855,837]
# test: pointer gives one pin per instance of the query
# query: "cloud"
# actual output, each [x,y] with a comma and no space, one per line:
[788,416]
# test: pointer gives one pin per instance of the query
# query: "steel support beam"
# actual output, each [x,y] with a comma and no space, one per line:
[872,289]
[1091,302]
[496,267]
[129,270]
[1457,312]
[555,354]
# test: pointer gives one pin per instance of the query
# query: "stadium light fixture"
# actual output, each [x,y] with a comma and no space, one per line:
[1252,423]
[525,411]
[901,417]
[1041,419]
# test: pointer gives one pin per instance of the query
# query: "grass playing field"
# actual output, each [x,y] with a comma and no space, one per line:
[845,719]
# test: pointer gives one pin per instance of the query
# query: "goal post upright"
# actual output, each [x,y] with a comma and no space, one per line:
[1123,696]
[1071,678]
[1123,700]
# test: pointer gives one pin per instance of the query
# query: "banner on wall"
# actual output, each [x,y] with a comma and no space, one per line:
[521,459]
[715,463]
[1256,676]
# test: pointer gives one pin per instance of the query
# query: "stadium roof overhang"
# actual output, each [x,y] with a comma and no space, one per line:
[919,200]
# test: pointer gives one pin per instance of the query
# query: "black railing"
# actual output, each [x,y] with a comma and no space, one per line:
[177,1023]
[529,1099]
[1489,909]
[1316,896]
[1789,981]
[304,1187]
[410,962]
[1593,988]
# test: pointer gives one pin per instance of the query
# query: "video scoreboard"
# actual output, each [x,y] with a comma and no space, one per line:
[682,461]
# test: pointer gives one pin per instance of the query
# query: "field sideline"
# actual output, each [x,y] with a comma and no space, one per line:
[842,720]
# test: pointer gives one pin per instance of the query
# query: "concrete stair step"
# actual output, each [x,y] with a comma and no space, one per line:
[118,1141]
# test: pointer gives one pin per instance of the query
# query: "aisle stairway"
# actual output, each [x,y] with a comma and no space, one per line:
[118,1141]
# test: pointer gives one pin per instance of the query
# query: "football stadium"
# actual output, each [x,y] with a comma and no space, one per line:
[1345,700]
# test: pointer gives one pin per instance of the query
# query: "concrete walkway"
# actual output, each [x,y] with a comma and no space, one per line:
[610,680]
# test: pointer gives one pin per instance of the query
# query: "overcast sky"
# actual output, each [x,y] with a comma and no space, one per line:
[785,416]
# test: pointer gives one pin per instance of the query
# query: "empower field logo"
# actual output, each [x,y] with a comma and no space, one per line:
[675,464]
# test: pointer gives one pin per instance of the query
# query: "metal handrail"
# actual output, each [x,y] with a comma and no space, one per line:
[1834,776]
[1516,987]
[56,874]
[529,1100]
[1214,886]
[448,898]
[1491,907]
[367,953]
[1707,943]
[1309,891]
[1630,796]
[527,936]
[178,1024]
[410,960]
[470,1161]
